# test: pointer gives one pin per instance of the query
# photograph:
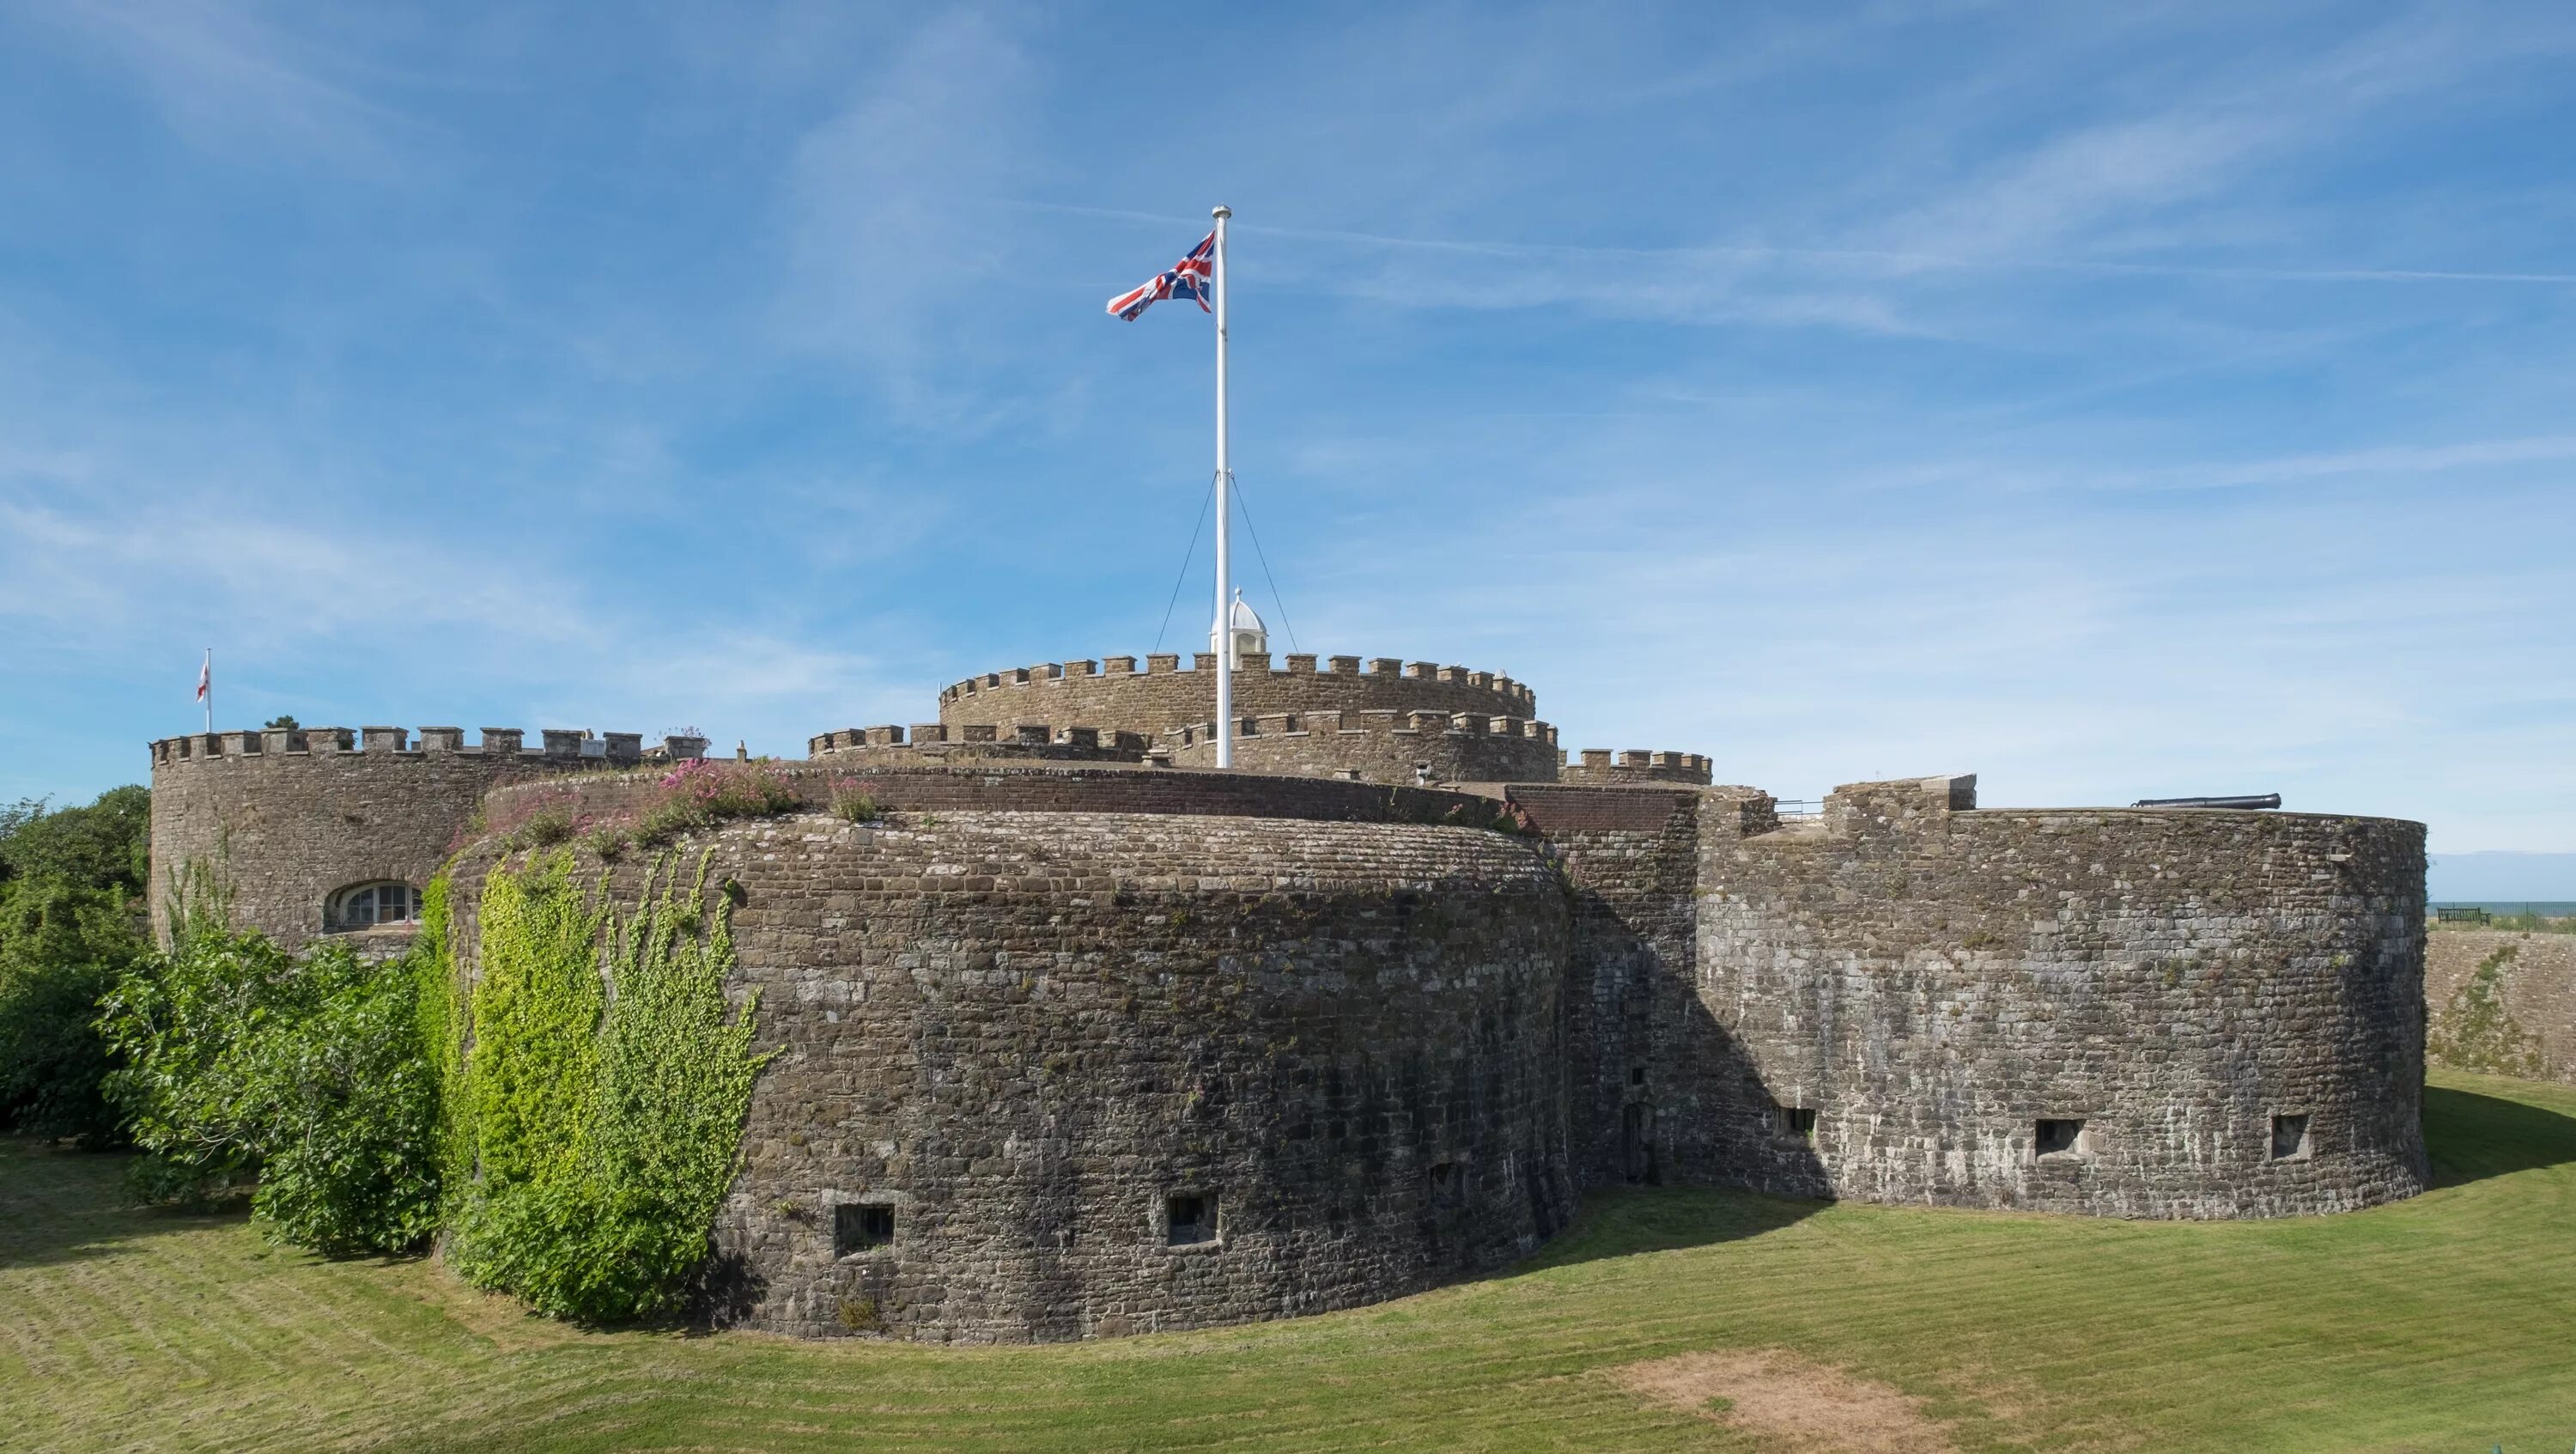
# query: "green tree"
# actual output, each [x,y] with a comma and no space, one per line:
[106,845]
[71,886]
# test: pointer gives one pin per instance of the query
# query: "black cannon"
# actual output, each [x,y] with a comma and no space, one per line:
[2267,800]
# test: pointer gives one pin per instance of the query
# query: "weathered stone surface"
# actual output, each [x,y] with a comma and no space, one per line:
[1158,695]
[1384,1033]
[2518,1017]
[289,817]
[1024,1032]
[1932,982]
[1380,747]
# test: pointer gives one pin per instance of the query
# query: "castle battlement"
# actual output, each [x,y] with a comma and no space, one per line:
[565,745]
[1600,767]
[1292,724]
[1377,745]
[1381,670]
[938,739]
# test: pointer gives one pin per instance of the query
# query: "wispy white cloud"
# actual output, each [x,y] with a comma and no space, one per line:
[879,256]
[2066,395]
[2061,194]
[234,84]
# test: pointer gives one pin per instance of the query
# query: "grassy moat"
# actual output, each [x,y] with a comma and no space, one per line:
[2443,1323]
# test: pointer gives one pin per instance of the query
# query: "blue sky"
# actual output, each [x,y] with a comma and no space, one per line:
[2112,401]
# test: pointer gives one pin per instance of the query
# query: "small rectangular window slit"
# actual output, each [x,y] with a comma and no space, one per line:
[1445,1184]
[1797,1123]
[2056,1137]
[857,1228]
[1189,1219]
[2290,1137]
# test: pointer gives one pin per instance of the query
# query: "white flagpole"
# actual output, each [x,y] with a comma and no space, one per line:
[209,679]
[1224,512]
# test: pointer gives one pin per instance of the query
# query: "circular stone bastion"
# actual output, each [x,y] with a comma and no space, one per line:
[1068,1051]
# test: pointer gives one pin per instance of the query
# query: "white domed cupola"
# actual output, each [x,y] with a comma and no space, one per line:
[1250,636]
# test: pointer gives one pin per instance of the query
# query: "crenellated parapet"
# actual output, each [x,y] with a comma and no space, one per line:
[502,744]
[295,819]
[1600,767]
[937,742]
[1156,694]
[1379,746]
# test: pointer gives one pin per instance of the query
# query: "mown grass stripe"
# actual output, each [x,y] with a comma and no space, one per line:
[2436,1323]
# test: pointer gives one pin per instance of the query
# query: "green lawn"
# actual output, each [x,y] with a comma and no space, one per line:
[2445,1323]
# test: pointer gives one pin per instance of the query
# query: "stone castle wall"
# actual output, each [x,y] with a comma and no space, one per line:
[935,742]
[288,817]
[895,781]
[1161,696]
[1640,1064]
[2502,1002]
[1379,747]
[1024,1030]
[1931,982]
[1389,1031]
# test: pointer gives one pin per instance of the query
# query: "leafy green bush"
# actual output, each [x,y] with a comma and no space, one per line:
[854,801]
[241,1060]
[604,1127]
[544,828]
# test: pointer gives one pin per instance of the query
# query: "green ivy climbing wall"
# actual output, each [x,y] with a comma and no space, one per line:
[590,1128]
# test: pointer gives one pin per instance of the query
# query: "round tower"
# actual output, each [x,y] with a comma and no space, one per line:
[322,830]
[1348,710]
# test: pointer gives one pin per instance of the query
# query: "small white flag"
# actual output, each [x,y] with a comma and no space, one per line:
[205,675]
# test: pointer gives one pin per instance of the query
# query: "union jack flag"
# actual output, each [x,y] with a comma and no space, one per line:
[1192,277]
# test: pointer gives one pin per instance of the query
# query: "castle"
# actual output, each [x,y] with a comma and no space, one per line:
[1084,1036]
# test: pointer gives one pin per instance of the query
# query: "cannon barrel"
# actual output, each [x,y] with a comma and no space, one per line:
[2267,800]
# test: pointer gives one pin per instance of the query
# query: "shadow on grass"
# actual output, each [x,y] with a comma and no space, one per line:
[60,1206]
[2472,1137]
[1628,1220]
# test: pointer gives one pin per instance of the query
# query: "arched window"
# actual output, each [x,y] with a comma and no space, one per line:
[364,906]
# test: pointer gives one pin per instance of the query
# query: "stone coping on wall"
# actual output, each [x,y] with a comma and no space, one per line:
[1293,664]
[1043,787]
[1898,801]
[562,744]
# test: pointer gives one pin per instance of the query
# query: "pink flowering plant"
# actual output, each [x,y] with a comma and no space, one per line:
[700,793]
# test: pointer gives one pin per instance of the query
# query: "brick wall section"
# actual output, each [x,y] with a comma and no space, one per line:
[289,817]
[1023,1031]
[1931,981]
[2535,986]
[1157,695]
[1380,747]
